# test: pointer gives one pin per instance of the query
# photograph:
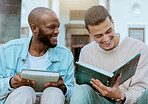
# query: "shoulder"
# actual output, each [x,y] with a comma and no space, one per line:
[90,46]
[135,43]
[14,43]
[62,50]
[135,46]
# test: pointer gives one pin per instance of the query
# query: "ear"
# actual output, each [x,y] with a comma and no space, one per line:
[35,29]
[88,32]
[112,22]
[90,35]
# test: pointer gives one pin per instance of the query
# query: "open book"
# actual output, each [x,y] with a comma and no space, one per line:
[84,73]
[40,77]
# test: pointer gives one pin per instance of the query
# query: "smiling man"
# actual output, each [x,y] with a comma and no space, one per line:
[109,51]
[39,51]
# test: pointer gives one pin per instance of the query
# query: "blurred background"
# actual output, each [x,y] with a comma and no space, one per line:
[130,18]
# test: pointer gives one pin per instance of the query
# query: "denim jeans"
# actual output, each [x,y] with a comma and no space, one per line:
[84,94]
[144,98]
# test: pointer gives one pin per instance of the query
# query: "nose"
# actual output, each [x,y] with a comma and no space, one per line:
[56,31]
[105,38]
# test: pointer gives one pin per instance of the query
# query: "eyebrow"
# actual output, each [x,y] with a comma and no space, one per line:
[102,34]
[108,30]
[53,25]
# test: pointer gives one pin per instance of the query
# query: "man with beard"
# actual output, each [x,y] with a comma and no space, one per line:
[39,51]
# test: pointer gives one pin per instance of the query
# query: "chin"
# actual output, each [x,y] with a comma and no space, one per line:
[108,48]
[52,45]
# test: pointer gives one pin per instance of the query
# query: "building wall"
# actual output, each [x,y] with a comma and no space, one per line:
[9,20]
[65,7]
[129,13]
[27,6]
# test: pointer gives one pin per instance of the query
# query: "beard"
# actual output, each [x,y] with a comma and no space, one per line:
[45,39]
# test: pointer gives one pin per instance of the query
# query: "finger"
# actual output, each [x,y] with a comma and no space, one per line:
[25,84]
[117,81]
[19,75]
[60,78]
[97,87]
[60,81]
[16,78]
[100,85]
[48,84]
[54,84]
[29,82]
[97,82]
[24,80]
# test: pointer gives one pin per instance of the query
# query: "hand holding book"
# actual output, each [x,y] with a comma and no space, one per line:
[60,84]
[110,92]
[107,83]
[16,81]
[84,72]
[42,78]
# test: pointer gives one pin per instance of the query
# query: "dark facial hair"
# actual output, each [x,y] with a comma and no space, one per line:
[45,39]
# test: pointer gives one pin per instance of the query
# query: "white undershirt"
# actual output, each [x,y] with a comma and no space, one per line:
[37,63]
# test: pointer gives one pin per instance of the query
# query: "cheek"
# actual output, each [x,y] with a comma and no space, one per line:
[97,40]
[112,33]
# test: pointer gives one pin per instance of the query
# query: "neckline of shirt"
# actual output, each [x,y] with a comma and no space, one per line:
[39,56]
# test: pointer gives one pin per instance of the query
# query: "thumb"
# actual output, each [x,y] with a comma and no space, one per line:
[60,78]
[19,75]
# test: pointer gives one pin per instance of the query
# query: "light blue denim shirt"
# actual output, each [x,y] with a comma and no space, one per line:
[13,59]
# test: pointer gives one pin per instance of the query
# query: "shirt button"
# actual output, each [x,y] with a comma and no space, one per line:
[23,61]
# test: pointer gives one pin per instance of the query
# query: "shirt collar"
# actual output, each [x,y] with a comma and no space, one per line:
[51,51]
[25,48]
[52,56]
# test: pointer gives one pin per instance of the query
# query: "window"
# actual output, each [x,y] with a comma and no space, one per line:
[137,33]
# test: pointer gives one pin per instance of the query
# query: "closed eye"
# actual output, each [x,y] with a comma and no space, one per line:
[52,27]
[98,35]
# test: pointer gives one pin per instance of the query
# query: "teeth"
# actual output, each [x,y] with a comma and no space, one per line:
[54,37]
[107,42]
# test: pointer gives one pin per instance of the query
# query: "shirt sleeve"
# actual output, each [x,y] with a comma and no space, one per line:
[69,80]
[5,88]
[139,81]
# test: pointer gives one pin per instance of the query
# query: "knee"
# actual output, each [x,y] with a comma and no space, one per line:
[81,91]
[53,90]
[146,93]
[53,95]
[27,90]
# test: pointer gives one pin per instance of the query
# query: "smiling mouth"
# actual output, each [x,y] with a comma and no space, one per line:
[53,37]
[107,43]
